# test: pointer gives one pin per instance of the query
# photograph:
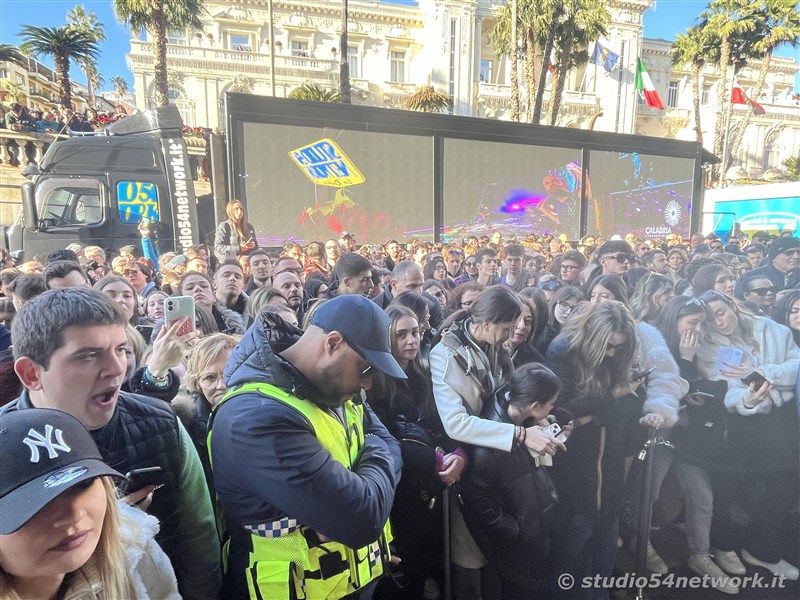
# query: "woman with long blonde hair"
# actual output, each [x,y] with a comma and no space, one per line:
[593,357]
[235,235]
[63,533]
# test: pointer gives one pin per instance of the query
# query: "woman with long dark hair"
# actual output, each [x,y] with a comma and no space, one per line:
[698,458]
[468,365]
[787,312]
[431,461]
[508,496]
[235,234]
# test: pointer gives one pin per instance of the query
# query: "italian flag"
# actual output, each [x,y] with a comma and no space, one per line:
[646,88]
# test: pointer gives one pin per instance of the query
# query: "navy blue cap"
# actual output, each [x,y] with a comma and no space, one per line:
[364,326]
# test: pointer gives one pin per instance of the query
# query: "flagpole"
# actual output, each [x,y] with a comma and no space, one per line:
[727,130]
[619,84]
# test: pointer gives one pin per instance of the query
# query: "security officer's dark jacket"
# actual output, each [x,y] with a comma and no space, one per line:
[268,463]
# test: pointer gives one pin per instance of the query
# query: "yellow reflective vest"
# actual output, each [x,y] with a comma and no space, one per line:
[281,563]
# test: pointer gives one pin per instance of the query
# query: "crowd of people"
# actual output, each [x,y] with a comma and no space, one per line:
[18,117]
[332,402]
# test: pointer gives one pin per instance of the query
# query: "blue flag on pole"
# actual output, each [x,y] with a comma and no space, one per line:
[605,57]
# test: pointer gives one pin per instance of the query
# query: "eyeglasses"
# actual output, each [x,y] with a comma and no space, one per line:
[569,267]
[716,246]
[130,272]
[565,307]
[764,291]
[470,263]
[369,370]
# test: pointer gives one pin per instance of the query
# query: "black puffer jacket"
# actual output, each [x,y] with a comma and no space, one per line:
[508,504]
[591,473]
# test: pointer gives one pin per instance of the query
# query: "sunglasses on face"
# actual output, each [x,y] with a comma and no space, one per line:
[369,370]
[470,263]
[621,257]
[716,247]
[611,346]
[791,252]
[764,291]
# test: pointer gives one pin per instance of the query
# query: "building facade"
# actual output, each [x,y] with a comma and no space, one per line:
[393,50]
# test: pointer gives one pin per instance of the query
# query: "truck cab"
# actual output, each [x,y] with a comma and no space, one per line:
[97,189]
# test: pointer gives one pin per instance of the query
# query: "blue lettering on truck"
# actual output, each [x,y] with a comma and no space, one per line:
[137,200]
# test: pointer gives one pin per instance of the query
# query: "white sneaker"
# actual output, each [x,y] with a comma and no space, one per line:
[729,562]
[703,565]
[781,567]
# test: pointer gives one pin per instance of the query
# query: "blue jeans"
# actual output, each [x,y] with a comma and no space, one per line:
[583,545]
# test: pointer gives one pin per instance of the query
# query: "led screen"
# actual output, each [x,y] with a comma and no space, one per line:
[513,188]
[285,168]
[649,196]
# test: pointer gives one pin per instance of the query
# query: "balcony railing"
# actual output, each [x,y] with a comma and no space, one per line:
[495,97]
[210,58]
[18,148]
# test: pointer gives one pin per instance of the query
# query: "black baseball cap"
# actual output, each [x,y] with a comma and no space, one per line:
[44,453]
[364,326]
[782,245]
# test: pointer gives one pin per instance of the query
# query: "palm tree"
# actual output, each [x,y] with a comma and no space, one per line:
[14,89]
[79,19]
[9,53]
[120,86]
[792,168]
[158,17]
[556,13]
[586,20]
[344,59]
[63,44]
[721,23]
[778,21]
[688,49]
[312,91]
[506,42]
[428,99]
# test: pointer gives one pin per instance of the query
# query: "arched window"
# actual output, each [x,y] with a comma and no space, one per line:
[772,151]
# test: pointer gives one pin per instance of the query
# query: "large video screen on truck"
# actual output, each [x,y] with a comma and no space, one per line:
[513,188]
[631,192]
[309,183]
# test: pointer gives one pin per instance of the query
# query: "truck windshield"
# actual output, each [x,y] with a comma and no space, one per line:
[70,202]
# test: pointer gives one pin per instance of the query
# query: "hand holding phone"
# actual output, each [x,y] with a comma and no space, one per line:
[140,478]
[639,375]
[178,307]
[754,377]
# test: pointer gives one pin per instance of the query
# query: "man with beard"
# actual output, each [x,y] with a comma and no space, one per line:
[228,286]
[298,464]
[290,287]
[260,270]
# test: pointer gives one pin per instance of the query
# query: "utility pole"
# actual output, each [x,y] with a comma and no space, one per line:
[344,64]
[271,42]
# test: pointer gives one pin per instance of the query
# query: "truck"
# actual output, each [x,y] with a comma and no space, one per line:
[771,207]
[311,171]
[105,188]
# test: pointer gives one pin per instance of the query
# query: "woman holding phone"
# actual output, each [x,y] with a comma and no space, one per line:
[234,236]
[762,433]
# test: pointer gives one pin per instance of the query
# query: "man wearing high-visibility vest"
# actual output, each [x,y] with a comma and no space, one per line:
[304,471]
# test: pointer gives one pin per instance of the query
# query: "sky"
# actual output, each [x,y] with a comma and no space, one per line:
[664,19]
